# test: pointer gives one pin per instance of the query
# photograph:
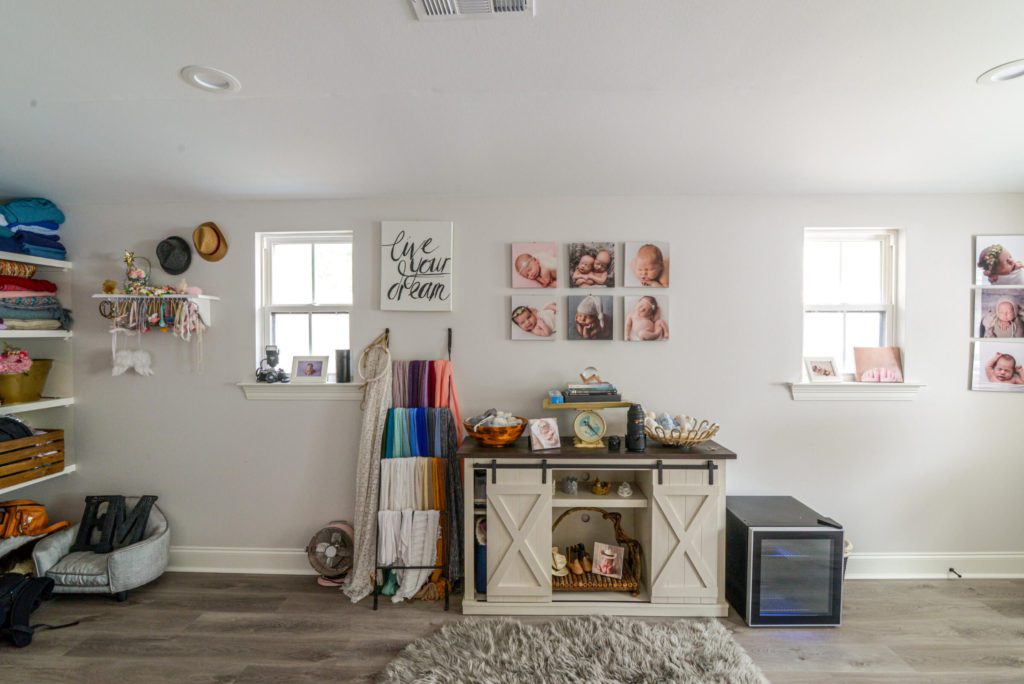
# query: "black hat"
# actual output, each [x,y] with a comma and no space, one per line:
[174,254]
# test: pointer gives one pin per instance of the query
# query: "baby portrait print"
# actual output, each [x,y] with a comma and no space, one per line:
[646,318]
[534,317]
[589,317]
[534,264]
[998,366]
[592,264]
[878,364]
[998,260]
[999,312]
[646,264]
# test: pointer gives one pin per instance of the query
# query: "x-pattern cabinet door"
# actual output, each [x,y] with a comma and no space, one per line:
[518,537]
[687,534]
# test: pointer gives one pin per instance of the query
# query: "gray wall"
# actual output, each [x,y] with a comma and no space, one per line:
[940,474]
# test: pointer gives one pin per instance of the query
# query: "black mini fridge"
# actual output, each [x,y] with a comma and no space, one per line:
[784,563]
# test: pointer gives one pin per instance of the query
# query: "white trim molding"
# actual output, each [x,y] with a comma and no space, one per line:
[228,559]
[975,565]
[327,391]
[855,391]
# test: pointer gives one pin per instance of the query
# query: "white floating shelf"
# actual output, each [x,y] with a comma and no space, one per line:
[202,300]
[67,471]
[302,391]
[855,391]
[38,261]
[35,334]
[610,500]
[45,403]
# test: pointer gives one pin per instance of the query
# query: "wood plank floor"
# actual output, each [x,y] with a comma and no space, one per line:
[259,628]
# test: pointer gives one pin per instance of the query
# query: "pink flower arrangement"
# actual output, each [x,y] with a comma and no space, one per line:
[14,360]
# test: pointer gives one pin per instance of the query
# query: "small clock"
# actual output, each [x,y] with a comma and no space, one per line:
[589,427]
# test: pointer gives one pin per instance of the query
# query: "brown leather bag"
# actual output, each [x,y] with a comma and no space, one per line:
[22,517]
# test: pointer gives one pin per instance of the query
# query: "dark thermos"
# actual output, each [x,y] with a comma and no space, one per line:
[343,357]
[635,440]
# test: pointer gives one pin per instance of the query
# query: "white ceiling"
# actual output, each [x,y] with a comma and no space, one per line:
[342,98]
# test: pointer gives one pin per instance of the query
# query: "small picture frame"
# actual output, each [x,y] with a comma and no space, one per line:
[309,369]
[822,369]
[608,560]
[543,434]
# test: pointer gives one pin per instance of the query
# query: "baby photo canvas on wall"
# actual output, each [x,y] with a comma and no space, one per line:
[543,434]
[589,317]
[608,560]
[997,259]
[878,364]
[534,317]
[998,312]
[592,264]
[646,318]
[998,366]
[534,264]
[647,264]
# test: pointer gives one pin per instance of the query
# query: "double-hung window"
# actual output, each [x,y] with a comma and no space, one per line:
[849,292]
[305,294]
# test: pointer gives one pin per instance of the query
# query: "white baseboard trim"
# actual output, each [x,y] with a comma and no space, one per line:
[977,565]
[239,560]
[862,566]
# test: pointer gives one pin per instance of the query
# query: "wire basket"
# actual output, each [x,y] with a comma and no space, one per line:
[683,439]
[631,563]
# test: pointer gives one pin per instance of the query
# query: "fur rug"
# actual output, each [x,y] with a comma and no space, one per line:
[584,649]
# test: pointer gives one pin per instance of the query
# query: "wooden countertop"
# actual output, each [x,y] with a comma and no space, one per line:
[521,449]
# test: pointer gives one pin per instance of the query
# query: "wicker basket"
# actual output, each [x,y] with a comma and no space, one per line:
[683,439]
[631,565]
[496,436]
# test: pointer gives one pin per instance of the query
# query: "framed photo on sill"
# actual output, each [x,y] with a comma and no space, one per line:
[822,369]
[309,369]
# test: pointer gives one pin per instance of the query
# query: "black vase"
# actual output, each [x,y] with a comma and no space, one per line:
[343,359]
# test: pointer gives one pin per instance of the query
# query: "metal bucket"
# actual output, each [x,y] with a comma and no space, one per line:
[18,388]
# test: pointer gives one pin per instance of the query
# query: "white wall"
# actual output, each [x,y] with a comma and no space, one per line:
[940,475]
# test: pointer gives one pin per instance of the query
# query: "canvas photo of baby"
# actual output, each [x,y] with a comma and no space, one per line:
[999,312]
[534,264]
[998,260]
[646,264]
[878,364]
[646,318]
[998,367]
[543,434]
[533,317]
[589,317]
[592,264]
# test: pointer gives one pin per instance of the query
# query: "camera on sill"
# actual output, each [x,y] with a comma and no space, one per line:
[271,375]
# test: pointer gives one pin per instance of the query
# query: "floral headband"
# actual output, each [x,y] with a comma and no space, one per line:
[519,311]
[989,258]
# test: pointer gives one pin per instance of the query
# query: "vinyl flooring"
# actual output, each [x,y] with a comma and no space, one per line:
[258,628]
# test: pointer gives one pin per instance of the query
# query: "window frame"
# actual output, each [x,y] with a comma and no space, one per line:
[265,310]
[891,306]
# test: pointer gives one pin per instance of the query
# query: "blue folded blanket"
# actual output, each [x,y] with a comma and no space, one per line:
[49,242]
[44,253]
[37,228]
[25,308]
[30,210]
[9,245]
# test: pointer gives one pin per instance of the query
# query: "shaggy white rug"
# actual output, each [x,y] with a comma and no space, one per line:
[584,649]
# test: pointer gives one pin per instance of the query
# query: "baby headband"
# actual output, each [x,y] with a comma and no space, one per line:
[654,302]
[518,311]
[989,257]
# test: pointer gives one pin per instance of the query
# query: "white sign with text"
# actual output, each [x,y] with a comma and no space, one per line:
[416,266]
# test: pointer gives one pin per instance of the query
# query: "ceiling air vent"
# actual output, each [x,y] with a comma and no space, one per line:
[432,10]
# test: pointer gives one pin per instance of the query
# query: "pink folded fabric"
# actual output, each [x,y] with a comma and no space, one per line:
[13,294]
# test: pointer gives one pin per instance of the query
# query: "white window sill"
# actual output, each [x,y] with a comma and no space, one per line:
[855,391]
[302,391]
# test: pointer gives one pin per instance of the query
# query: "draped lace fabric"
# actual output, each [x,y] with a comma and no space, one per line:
[378,398]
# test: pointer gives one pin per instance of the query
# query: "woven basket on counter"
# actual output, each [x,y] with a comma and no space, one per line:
[683,439]
[631,564]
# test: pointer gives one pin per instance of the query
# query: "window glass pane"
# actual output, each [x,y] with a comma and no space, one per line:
[822,268]
[291,334]
[861,273]
[863,329]
[823,335]
[330,332]
[333,273]
[292,276]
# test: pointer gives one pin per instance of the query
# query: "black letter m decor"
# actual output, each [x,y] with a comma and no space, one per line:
[113,528]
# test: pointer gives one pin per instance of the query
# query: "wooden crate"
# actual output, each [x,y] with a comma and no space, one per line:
[29,458]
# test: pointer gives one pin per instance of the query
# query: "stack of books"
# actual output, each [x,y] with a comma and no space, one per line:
[602,391]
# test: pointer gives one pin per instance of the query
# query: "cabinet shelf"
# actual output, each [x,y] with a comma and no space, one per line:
[35,334]
[610,500]
[44,403]
[38,261]
[67,471]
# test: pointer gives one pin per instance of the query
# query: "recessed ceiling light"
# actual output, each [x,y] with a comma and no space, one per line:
[1003,73]
[208,78]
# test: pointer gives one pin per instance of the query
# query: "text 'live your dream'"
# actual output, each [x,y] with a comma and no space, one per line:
[416,268]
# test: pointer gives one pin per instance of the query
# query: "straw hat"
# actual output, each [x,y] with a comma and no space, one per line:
[209,241]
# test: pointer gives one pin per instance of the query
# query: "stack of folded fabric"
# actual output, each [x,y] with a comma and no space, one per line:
[31,226]
[29,303]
